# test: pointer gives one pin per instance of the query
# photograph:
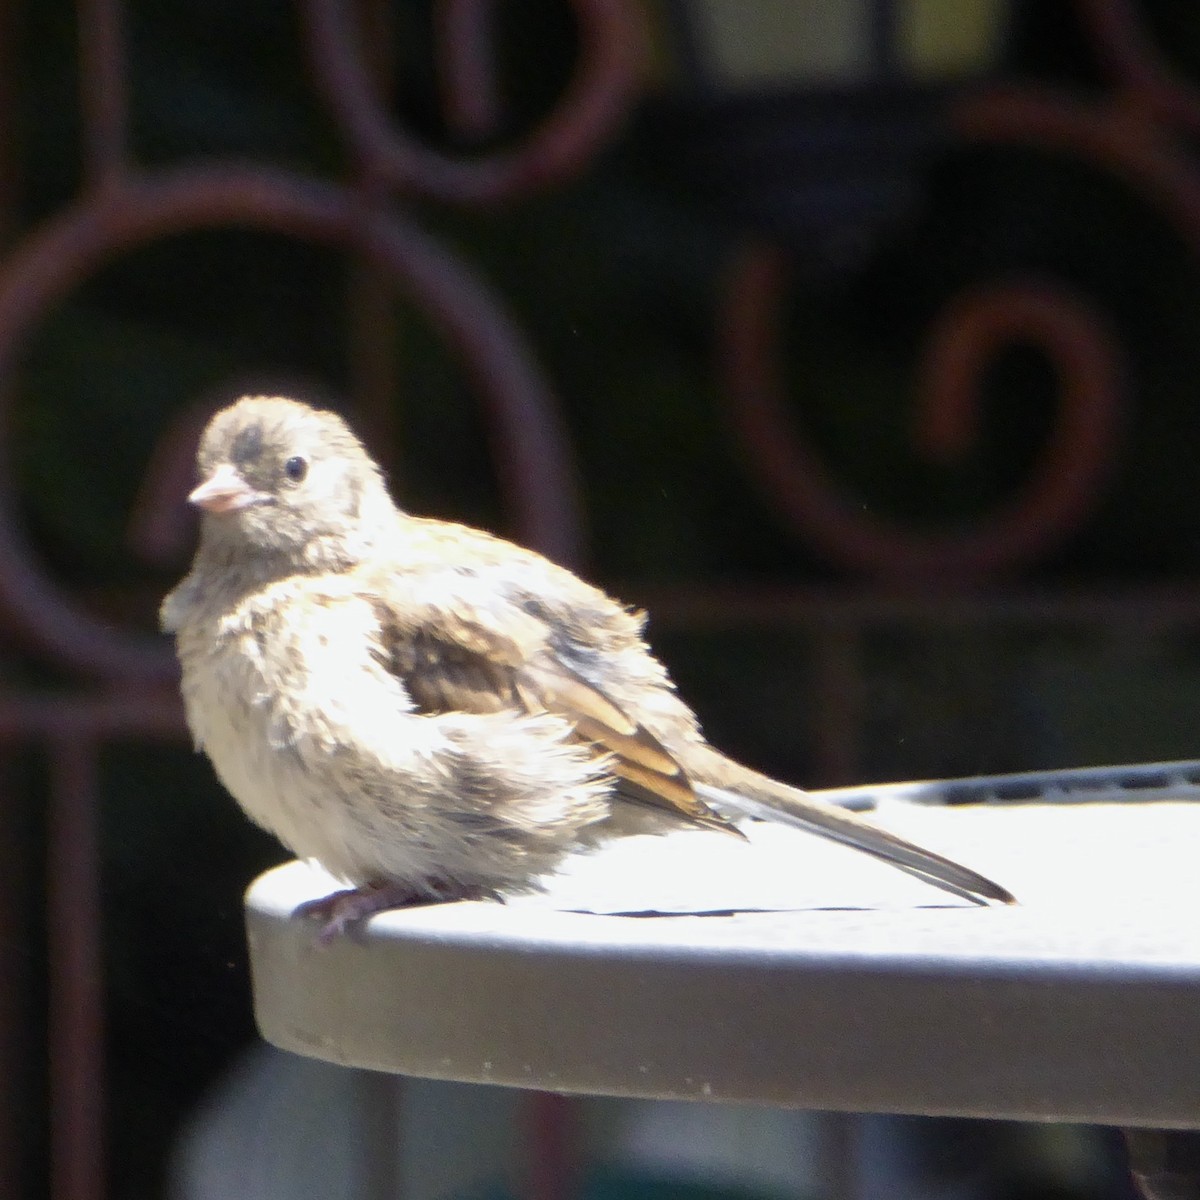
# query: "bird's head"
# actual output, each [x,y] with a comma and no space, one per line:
[285,482]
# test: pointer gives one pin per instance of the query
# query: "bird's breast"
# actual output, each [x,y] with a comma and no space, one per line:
[292,709]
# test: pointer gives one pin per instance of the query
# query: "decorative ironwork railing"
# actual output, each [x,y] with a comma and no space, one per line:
[1138,130]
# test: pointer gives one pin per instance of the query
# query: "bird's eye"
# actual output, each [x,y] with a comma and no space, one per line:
[296,468]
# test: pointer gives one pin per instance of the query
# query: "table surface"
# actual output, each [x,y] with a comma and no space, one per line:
[788,971]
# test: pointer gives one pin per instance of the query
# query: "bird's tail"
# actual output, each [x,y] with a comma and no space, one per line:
[745,792]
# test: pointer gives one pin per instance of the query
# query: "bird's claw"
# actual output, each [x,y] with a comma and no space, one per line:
[343,911]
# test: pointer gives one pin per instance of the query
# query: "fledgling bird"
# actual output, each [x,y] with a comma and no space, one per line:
[428,711]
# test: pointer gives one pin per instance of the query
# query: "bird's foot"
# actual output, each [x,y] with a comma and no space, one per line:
[342,911]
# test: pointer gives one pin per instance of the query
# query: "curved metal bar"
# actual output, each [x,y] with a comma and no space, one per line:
[1149,80]
[587,115]
[76,1002]
[1076,457]
[531,446]
[1081,449]
[159,527]
[466,60]
[1111,135]
[103,90]
[1118,138]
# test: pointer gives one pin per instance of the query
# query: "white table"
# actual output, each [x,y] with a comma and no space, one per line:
[867,991]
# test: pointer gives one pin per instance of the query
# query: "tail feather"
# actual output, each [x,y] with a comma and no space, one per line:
[793,807]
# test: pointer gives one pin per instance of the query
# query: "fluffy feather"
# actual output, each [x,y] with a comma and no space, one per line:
[425,709]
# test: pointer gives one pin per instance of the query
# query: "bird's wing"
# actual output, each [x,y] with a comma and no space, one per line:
[459,653]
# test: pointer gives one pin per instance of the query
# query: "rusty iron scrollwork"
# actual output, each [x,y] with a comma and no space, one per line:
[127,674]
[1138,131]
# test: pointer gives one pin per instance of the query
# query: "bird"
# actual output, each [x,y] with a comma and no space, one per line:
[429,711]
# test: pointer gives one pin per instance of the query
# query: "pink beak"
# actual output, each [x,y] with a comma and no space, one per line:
[223,491]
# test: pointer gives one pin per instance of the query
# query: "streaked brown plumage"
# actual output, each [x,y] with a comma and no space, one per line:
[427,710]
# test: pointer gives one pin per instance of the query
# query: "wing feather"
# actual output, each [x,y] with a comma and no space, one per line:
[450,660]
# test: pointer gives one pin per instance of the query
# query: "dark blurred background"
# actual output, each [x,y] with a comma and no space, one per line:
[856,340]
